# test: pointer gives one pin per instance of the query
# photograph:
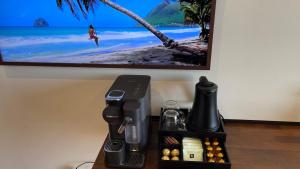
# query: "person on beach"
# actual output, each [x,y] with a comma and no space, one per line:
[93,35]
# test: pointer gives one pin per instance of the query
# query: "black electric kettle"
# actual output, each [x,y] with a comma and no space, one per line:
[204,116]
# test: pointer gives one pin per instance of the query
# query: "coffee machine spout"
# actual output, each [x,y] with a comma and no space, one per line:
[126,121]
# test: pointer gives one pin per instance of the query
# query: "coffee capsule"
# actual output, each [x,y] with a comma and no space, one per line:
[215,143]
[175,158]
[165,158]
[211,160]
[218,148]
[209,148]
[210,155]
[220,155]
[175,152]
[207,142]
[220,161]
[166,152]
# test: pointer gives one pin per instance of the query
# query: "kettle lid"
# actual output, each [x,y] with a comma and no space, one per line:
[204,84]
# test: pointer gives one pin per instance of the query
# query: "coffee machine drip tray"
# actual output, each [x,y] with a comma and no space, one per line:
[135,160]
[115,152]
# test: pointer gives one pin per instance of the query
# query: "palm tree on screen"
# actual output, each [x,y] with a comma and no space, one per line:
[197,12]
[89,5]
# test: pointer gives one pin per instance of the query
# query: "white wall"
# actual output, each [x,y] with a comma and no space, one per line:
[50,117]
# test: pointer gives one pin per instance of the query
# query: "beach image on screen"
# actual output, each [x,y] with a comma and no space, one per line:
[52,31]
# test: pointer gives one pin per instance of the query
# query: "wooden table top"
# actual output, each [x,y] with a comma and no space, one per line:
[250,146]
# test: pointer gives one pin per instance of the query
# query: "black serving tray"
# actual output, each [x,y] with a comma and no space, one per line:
[220,134]
[179,134]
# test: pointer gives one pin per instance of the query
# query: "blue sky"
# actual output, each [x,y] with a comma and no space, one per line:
[24,12]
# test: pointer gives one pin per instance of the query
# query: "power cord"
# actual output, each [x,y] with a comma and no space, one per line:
[222,117]
[87,162]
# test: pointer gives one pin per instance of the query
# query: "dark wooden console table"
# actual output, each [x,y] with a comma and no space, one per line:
[251,145]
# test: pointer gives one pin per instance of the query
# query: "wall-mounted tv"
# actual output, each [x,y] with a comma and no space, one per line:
[172,34]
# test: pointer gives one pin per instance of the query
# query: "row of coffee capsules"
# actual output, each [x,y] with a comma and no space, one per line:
[167,153]
[214,152]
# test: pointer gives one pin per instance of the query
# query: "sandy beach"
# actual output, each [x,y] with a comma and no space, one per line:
[116,46]
[154,55]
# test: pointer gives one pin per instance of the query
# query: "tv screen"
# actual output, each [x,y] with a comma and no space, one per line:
[137,33]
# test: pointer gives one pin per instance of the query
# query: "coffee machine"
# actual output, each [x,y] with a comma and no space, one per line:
[127,113]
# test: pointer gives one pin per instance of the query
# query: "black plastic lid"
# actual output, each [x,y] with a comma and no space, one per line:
[206,85]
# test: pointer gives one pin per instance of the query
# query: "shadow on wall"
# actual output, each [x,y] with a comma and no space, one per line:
[81,165]
[165,84]
[297,106]
[295,109]
[58,121]
[66,167]
[36,72]
[181,91]
[156,101]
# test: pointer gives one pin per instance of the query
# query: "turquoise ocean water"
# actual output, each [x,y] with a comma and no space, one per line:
[72,45]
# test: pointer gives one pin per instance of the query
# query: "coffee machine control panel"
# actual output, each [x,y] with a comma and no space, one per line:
[115,95]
